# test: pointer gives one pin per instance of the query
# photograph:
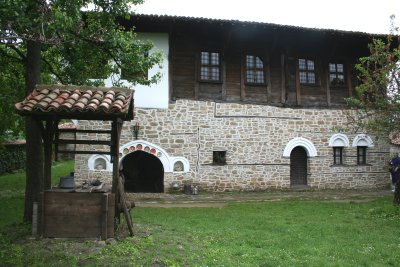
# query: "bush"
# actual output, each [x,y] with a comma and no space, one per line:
[12,157]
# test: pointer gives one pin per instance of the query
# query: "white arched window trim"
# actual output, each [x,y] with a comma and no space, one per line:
[303,142]
[363,140]
[339,140]
[92,161]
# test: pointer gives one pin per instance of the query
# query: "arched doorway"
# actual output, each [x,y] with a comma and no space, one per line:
[143,173]
[298,167]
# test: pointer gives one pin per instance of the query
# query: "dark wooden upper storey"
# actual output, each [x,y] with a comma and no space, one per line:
[261,63]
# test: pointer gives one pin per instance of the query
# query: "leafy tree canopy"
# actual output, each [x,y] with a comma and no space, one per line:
[376,107]
[80,40]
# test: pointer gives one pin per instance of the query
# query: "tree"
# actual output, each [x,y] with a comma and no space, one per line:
[376,107]
[55,41]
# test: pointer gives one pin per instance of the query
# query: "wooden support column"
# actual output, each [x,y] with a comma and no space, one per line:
[298,94]
[223,76]
[325,71]
[196,74]
[283,79]
[242,78]
[116,127]
[268,76]
[349,82]
[48,153]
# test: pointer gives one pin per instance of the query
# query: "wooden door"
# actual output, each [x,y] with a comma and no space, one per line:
[298,166]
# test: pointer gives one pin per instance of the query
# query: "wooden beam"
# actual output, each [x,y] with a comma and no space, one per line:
[82,142]
[48,153]
[84,131]
[85,152]
[196,74]
[223,72]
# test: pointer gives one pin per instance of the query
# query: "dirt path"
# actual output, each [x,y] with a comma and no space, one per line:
[219,200]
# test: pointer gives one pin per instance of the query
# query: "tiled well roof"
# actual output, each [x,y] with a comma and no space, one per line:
[78,102]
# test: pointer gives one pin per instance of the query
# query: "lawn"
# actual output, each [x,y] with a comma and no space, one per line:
[285,233]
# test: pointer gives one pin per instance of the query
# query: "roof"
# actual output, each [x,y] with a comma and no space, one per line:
[226,22]
[78,102]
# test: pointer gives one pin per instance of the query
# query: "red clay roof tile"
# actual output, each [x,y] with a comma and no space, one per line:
[76,101]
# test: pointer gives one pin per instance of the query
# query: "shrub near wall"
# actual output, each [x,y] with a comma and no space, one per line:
[12,156]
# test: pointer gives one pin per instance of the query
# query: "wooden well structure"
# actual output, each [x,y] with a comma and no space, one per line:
[72,214]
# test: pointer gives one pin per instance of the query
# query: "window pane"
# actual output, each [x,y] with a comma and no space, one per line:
[339,68]
[204,73]
[215,73]
[302,64]
[341,77]
[311,77]
[332,67]
[259,63]
[303,77]
[204,58]
[249,62]
[310,65]
[332,77]
[259,76]
[214,59]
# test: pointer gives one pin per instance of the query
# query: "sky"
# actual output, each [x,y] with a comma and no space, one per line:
[371,16]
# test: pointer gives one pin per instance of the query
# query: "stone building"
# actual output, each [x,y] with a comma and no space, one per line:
[244,106]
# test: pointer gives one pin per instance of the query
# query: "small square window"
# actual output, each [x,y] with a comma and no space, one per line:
[219,157]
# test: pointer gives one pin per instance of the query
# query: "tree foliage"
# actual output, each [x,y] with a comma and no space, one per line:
[67,42]
[80,40]
[376,107]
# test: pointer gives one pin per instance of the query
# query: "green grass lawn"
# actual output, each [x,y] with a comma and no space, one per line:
[286,233]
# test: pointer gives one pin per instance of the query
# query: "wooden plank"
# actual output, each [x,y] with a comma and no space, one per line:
[196,75]
[104,213]
[83,131]
[48,153]
[223,86]
[85,152]
[349,82]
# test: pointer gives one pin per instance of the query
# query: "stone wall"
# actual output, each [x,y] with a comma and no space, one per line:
[254,138]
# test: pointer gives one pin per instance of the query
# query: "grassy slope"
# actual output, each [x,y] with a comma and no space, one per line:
[287,233]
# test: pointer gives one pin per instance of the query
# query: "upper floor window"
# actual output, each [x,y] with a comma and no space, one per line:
[336,74]
[307,71]
[210,66]
[254,70]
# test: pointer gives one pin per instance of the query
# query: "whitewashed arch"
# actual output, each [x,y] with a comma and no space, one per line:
[303,142]
[166,160]
[92,162]
[339,140]
[363,140]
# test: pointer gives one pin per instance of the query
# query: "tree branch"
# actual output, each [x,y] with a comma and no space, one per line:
[52,71]
[19,52]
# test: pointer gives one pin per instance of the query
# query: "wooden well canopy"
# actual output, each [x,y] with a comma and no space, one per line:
[48,104]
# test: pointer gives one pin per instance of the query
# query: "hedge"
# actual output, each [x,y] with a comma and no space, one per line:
[12,157]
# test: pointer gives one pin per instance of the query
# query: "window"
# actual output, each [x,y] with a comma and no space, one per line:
[254,70]
[336,74]
[338,155]
[307,71]
[219,157]
[361,155]
[210,66]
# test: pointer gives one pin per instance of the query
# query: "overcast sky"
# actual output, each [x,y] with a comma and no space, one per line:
[372,16]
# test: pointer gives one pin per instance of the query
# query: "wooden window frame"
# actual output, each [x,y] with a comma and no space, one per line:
[337,155]
[254,69]
[210,66]
[361,155]
[336,73]
[307,71]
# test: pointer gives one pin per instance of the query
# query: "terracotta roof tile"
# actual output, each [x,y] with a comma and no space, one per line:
[75,100]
